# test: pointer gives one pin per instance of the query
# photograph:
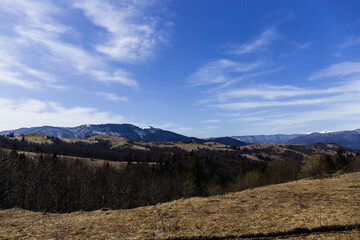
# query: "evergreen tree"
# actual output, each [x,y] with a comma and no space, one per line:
[330,164]
[195,177]
[341,160]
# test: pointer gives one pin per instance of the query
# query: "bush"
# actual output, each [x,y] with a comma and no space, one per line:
[354,163]
[315,166]
[341,160]
[282,170]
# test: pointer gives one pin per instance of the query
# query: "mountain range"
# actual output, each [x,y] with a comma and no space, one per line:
[263,139]
[350,139]
[129,131]
[119,130]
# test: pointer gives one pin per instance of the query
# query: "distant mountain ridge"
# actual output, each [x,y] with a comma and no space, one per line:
[227,141]
[349,139]
[263,139]
[119,130]
[129,131]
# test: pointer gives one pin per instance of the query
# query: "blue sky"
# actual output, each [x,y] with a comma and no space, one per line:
[201,68]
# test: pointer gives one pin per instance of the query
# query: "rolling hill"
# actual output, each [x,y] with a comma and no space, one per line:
[304,209]
[349,139]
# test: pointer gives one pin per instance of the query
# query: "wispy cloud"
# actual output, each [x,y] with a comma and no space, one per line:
[112,97]
[263,40]
[14,78]
[35,30]
[284,107]
[221,71]
[336,70]
[33,112]
[13,72]
[287,91]
[74,58]
[37,14]
[119,76]
[132,33]
[352,41]
[334,112]
[211,121]
[262,104]
[302,46]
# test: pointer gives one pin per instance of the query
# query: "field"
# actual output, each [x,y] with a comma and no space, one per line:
[305,209]
[34,138]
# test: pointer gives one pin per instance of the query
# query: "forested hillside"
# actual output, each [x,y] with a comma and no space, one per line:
[35,177]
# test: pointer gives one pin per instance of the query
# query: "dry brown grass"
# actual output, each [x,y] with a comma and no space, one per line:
[187,146]
[283,207]
[34,138]
[91,161]
[123,142]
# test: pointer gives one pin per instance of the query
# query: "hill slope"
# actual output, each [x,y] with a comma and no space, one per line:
[325,209]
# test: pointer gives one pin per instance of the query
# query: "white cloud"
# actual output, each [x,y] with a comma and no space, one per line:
[348,112]
[36,33]
[352,41]
[32,112]
[72,57]
[302,46]
[221,71]
[112,97]
[286,91]
[120,76]
[132,33]
[210,127]
[14,78]
[261,104]
[264,40]
[285,107]
[13,72]
[211,121]
[336,70]
[35,13]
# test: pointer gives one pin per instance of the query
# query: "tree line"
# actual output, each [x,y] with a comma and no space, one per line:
[45,182]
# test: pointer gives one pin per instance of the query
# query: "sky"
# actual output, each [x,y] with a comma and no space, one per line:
[203,68]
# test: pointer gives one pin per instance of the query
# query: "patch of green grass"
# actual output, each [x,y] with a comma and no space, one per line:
[78,231]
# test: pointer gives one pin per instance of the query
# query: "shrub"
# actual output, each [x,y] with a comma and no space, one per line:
[341,160]
[315,166]
[282,170]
